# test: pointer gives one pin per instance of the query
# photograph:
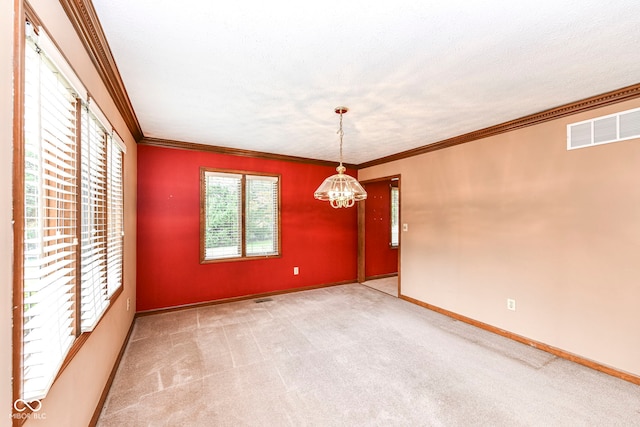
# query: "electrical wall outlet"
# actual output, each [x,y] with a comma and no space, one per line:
[511,304]
[405,227]
[296,271]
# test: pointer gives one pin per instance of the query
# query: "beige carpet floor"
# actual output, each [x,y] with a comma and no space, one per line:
[388,285]
[348,356]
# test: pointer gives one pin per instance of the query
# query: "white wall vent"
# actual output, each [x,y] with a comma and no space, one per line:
[605,129]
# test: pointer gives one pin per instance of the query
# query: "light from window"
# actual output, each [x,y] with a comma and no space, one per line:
[115,214]
[261,209]
[93,282]
[240,215]
[395,217]
[50,224]
[73,218]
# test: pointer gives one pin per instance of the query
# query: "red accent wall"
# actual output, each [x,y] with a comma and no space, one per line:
[380,259]
[318,239]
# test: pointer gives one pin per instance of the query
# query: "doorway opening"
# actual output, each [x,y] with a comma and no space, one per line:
[379,235]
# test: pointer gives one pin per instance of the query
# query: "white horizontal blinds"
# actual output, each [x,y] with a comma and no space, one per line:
[223,215]
[261,215]
[93,283]
[50,221]
[395,216]
[115,216]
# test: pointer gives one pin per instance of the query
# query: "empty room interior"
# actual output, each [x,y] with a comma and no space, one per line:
[334,213]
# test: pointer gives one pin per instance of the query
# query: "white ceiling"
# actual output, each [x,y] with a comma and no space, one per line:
[266,75]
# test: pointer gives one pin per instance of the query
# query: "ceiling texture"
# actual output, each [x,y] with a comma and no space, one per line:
[266,76]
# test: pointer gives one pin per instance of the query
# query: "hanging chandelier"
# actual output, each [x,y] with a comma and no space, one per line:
[340,190]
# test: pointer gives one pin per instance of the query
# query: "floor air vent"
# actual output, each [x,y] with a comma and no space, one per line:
[260,300]
[605,129]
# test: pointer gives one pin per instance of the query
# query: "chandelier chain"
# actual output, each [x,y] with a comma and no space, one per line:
[341,134]
[340,190]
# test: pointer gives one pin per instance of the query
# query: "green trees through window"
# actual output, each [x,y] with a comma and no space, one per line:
[223,215]
[239,215]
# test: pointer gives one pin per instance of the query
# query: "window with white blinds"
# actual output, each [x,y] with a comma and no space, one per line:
[395,217]
[50,223]
[261,210]
[73,216]
[223,216]
[240,215]
[115,214]
[93,282]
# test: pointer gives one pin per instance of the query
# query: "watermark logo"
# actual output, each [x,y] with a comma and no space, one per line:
[21,406]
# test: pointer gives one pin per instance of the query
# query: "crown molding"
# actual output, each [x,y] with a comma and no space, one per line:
[32,16]
[598,101]
[83,16]
[166,143]
[85,20]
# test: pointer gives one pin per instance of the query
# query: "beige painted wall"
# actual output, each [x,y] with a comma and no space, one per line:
[518,216]
[75,394]
[6,230]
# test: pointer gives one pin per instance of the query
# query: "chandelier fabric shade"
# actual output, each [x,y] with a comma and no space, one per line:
[340,190]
